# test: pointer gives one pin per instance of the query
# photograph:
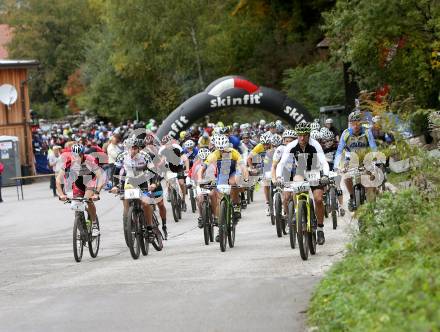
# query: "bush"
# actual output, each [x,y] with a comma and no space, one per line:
[389,279]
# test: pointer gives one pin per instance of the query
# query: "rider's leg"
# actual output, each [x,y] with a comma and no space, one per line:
[182,188]
[285,197]
[319,206]
[148,212]
[234,191]
[91,208]
[319,211]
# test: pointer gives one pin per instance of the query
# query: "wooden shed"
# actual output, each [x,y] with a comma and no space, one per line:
[16,120]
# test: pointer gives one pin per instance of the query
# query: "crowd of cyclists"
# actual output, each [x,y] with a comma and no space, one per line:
[241,156]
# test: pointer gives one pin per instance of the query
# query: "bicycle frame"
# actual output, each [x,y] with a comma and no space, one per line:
[306,197]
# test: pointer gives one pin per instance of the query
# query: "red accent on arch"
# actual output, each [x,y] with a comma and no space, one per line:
[246,85]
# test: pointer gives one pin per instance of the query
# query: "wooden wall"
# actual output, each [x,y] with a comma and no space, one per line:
[12,122]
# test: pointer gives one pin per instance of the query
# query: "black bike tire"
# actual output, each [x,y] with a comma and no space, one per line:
[301,233]
[211,224]
[248,196]
[231,235]
[292,225]
[326,204]
[179,205]
[132,227]
[334,206]
[193,200]
[312,237]
[97,240]
[278,214]
[125,228]
[143,241]
[77,228]
[271,209]
[222,225]
[158,239]
[174,203]
[252,194]
[206,223]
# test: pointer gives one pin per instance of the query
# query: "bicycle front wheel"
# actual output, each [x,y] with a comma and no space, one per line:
[222,225]
[94,242]
[302,235]
[271,211]
[157,240]
[78,244]
[292,224]
[278,214]
[206,222]
[174,205]
[134,236]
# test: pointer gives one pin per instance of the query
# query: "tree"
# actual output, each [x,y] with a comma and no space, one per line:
[389,42]
[315,85]
[51,32]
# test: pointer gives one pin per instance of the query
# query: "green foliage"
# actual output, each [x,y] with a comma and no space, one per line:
[364,33]
[388,280]
[51,32]
[315,85]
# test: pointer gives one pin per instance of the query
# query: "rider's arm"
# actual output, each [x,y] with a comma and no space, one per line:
[59,180]
[285,158]
[321,157]
[339,151]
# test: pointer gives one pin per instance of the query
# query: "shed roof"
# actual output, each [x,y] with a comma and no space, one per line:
[18,63]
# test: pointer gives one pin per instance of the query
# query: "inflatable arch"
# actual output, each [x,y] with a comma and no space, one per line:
[232,91]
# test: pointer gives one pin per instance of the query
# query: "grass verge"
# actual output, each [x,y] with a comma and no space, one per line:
[390,277]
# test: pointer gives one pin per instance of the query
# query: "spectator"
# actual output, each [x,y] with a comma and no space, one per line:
[55,164]
[113,150]
[329,125]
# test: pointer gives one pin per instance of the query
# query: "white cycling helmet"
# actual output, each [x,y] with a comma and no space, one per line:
[327,134]
[203,153]
[189,144]
[262,122]
[315,125]
[266,138]
[221,142]
[289,133]
[315,134]
[276,140]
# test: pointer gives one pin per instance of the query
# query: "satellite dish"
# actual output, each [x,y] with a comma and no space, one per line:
[8,94]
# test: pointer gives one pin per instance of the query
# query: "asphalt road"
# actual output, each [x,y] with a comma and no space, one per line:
[259,285]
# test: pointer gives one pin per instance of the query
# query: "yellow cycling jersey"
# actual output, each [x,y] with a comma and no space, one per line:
[258,149]
[217,155]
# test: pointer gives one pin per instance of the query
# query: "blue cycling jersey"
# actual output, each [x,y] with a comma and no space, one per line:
[353,143]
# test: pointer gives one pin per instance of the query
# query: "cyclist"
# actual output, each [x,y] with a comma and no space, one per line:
[83,173]
[308,155]
[135,168]
[190,151]
[174,159]
[354,139]
[329,146]
[288,136]
[204,140]
[228,162]
[257,157]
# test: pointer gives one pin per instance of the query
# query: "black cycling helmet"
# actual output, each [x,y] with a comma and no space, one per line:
[303,128]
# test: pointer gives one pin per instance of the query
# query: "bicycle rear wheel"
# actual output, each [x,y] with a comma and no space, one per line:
[222,225]
[78,244]
[193,200]
[134,236]
[94,242]
[312,237]
[248,195]
[292,224]
[357,197]
[158,238]
[125,228]
[278,214]
[334,207]
[271,210]
[303,239]
[144,242]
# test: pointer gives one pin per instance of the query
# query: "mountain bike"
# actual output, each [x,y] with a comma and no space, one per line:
[306,223]
[358,189]
[226,223]
[280,223]
[136,225]
[192,195]
[331,203]
[208,223]
[82,229]
[268,175]
[176,200]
